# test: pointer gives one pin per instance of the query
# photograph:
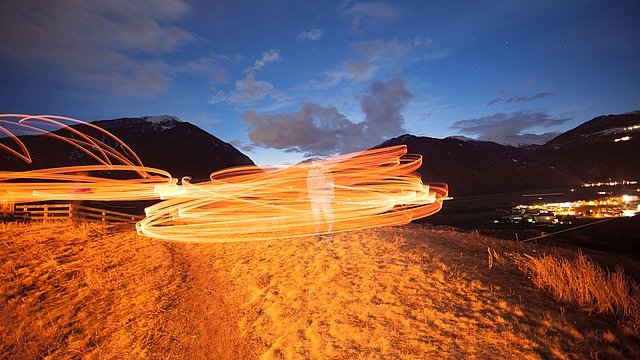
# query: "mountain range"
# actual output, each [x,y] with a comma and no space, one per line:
[606,147]
[164,142]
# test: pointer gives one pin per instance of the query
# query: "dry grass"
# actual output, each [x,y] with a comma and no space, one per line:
[582,282]
[363,297]
[71,290]
[403,293]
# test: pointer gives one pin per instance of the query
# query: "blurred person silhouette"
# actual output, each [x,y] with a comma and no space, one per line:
[320,188]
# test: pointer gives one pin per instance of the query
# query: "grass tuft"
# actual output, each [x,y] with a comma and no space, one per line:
[581,281]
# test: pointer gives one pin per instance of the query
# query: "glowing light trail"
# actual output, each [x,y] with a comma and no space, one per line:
[129,179]
[70,183]
[53,121]
[371,188]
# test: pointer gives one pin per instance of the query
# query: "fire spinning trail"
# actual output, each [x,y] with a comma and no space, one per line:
[371,188]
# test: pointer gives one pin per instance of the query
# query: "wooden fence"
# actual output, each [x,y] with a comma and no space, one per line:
[71,211]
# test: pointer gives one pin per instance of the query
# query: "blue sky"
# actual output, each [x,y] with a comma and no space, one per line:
[287,79]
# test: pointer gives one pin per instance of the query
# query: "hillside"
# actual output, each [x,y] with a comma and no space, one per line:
[72,289]
[606,147]
[600,149]
[178,147]
[479,167]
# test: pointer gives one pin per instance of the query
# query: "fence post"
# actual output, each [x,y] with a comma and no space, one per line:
[103,217]
[44,213]
[70,211]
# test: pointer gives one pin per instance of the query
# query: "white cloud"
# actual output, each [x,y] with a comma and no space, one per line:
[383,106]
[370,55]
[375,50]
[208,66]
[519,98]
[219,97]
[93,41]
[509,128]
[237,143]
[435,54]
[313,34]
[266,57]
[247,90]
[354,70]
[317,130]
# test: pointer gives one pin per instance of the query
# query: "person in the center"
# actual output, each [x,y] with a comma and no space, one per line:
[320,188]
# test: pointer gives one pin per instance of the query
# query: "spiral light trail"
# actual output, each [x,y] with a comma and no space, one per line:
[371,188]
[129,179]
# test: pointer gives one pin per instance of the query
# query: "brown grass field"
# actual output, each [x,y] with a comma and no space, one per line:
[72,290]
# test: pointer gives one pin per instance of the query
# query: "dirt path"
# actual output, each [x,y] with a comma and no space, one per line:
[204,320]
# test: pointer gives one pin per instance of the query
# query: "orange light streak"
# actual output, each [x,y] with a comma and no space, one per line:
[76,182]
[372,188]
[70,183]
[90,142]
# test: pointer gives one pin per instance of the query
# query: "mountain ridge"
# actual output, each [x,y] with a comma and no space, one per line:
[598,149]
[164,142]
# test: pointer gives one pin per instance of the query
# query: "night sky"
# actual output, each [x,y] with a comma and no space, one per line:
[282,80]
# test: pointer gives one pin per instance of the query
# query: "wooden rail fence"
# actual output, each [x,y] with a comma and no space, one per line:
[72,211]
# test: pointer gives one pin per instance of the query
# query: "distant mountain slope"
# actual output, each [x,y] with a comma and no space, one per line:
[165,142]
[474,167]
[605,147]
[602,148]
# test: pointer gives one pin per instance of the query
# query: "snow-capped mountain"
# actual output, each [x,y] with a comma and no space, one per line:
[165,122]
[157,123]
[525,139]
[458,137]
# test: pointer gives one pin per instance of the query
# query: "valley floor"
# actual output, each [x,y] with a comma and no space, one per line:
[86,289]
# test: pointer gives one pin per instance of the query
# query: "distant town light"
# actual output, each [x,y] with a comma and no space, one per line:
[610,183]
[567,211]
[624,138]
